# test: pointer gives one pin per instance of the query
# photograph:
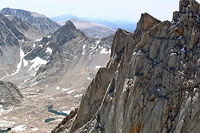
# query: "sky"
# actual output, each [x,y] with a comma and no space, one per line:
[126,10]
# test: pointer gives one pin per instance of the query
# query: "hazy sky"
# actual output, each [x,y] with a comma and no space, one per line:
[128,10]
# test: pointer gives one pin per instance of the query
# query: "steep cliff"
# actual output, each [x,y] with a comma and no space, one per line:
[151,83]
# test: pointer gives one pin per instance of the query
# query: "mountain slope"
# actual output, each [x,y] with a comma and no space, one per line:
[151,83]
[40,22]
[10,95]
[10,41]
[93,29]
[69,52]
[25,28]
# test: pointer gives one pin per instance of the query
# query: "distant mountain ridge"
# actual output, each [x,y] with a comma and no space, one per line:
[90,29]
[41,22]
[114,24]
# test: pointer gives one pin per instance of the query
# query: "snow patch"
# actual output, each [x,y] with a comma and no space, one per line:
[19,65]
[49,50]
[36,63]
[38,40]
[19,128]
[58,120]
[109,51]
[83,52]
[98,42]
[97,67]
[25,62]
[34,129]
[104,51]
[40,46]
[80,95]
[70,92]
[64,89]
[34,45]
[57,88]
[89,78]
[67,112]
[48,36]
[1,108]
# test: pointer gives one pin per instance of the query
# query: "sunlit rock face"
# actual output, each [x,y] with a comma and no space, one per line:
[151,83]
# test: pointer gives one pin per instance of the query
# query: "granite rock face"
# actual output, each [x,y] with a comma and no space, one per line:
[151,83]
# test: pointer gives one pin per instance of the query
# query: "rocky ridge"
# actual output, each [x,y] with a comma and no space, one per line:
[151,83]
[40,22]
[69,52]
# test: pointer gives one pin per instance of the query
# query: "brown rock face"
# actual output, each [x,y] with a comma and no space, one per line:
[152,81]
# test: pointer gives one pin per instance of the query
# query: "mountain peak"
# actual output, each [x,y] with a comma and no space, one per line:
[70,25]
[67,32]
[11,11]
[146,21]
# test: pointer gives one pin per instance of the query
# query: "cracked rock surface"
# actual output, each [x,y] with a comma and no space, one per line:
[151,83]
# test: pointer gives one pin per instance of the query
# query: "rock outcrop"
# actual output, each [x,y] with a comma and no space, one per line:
[9,95]
[151,83]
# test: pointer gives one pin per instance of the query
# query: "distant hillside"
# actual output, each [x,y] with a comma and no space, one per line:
[114,24]
[41,22]
[63,18]
[91,29]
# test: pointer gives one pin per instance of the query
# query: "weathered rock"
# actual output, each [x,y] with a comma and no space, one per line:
[154,85]
[172,60]
[9,95]
[154,48]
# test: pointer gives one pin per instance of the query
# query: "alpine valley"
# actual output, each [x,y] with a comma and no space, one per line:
[45,69]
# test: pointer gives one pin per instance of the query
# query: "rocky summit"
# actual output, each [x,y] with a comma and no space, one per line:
[151,83]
